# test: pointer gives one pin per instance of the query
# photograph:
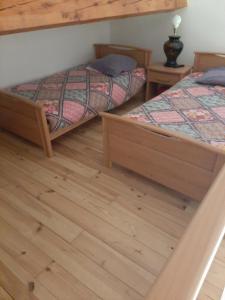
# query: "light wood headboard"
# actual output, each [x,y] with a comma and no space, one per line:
[142,56]
[207,60]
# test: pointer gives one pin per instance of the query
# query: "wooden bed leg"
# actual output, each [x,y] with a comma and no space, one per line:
[44,132]
[47,147]
[219,163]
[108,163]
[107,160]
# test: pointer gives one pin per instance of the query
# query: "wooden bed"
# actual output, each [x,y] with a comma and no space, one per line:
[28,120]
[172,159]
[183,164]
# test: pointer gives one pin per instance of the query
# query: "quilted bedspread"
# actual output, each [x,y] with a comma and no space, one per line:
[78,94]
[189,108]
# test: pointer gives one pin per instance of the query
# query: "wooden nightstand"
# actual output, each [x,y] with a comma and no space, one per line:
[159,74]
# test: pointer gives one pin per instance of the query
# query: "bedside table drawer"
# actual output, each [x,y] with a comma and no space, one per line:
[163,78]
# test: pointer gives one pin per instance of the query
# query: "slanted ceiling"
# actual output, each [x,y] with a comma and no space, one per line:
[26,15]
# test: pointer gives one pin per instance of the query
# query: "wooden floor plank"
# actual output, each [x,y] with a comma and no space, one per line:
[169,226]
[129,247]
[217,274]
[22,250]
[71,259]
[116,239]
[116,264]
[41,292]
[82,268]
[4,295]
[3,182]
[64,285]
[41,212]
[13,277]
[209,292]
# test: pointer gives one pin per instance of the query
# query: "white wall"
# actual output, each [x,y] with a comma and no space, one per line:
[203,28]
[30,55]
[26,56]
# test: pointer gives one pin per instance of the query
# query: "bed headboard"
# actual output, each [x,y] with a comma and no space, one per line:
[206,60]
[142,56]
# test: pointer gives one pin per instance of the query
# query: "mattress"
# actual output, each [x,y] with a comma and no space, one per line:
[78,94]
[189,108]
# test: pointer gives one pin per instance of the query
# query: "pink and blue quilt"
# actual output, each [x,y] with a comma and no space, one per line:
[78,94]
[189,108]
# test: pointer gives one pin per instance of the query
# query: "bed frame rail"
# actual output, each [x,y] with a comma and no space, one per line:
[180,163]
[183,276]
[26,119]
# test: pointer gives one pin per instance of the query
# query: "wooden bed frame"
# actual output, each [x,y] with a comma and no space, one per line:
[190,167]
[28,120]
[172,159]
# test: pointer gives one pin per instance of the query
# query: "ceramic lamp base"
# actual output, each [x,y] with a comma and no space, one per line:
[173,48]
[171,65]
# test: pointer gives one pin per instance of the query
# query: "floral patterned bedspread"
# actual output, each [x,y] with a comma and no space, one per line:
[189,108]
[78,94]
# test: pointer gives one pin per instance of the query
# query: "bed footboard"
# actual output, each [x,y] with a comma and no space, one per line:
[173,160]
[185,272]
[25,119]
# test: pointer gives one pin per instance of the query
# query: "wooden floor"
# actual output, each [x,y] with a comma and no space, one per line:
[4,295]
[78,231]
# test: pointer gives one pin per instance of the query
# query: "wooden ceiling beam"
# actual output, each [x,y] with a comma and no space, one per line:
[27,15]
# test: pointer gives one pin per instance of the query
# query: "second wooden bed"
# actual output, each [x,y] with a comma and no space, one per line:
[172,159]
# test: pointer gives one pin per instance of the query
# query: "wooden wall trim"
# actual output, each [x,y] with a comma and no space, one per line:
[23,15]
[181,3]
